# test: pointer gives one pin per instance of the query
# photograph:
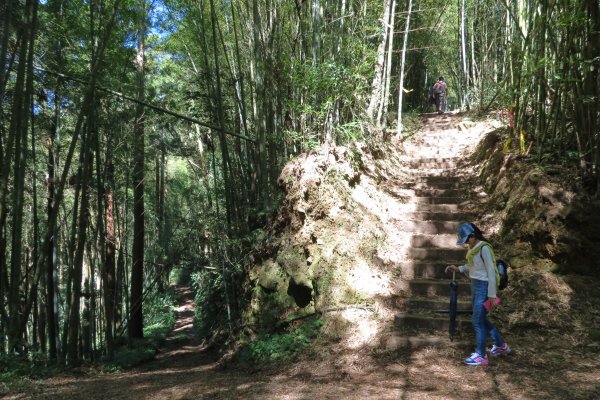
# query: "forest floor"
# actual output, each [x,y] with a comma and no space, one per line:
[544,365]
[540,368]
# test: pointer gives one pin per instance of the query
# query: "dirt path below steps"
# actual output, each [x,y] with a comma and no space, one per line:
[543,365]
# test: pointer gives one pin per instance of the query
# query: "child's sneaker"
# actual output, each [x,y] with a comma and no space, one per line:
[476,359]
[499,351]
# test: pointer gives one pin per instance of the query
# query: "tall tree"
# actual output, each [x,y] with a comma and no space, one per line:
[136,318]
[109,275]
[83,178]
[464,68]
[381,66]
[18,132]
[403,66]
[228,180]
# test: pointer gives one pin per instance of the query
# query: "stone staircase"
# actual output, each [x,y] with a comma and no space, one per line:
[436,196]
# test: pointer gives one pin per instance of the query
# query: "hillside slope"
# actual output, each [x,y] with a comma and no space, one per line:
[344,232]
[342,239]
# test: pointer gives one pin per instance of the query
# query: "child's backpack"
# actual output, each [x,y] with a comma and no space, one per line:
[501,271]
[502,267]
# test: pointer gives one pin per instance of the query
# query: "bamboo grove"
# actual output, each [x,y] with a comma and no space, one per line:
[137,136]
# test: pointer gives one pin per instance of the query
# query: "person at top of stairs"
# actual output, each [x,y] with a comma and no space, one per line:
[440,90]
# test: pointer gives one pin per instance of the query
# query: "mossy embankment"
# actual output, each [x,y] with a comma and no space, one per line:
[334,245]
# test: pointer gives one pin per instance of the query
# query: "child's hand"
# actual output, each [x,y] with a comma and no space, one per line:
[491,303]
[452,268]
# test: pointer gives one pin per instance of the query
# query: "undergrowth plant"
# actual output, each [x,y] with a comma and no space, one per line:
[16,369]
[210,297]
[268,348]
[159,321]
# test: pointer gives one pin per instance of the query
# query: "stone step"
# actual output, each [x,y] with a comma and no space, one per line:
[437,180]
[430,159]
[440,216]
[426,269]
[441,184]
[430,150]
[438,207]
[418,164]
[437,200]
[423,171]
[437,287]
[432,192]
[439,306]
[427,192]
[441,132]
[446,240]
[427,227]
[431,322]
[436,253]
[415,173]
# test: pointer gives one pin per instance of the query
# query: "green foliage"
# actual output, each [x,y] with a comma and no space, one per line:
[138,352]
[350,132]
[558,157]
[210,301]
[355,158]
[15,368]
[159,315]
[180,276]
[160,318]
[305,141]
[411,122]
[279,347]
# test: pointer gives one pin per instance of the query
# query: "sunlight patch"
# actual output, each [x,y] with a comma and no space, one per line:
[361,196]
[368,281]
[364,328]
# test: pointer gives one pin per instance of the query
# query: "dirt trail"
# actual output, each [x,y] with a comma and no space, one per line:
[184,369]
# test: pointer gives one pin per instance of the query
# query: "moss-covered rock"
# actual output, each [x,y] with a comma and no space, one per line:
[269,276]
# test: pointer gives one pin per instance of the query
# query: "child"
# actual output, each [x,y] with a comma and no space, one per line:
[482,271]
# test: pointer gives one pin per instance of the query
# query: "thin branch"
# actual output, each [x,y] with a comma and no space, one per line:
[153,107]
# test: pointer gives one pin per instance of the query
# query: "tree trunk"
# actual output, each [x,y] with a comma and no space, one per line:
[378,79]
[109,261]
[18,128]
[51,278]
[203,167]
[224,150]
[383,108]
[259,109]
[464,72]
[7,13]
[402,62]
[316,32]
[86,311]
[75,299]
[136,319]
